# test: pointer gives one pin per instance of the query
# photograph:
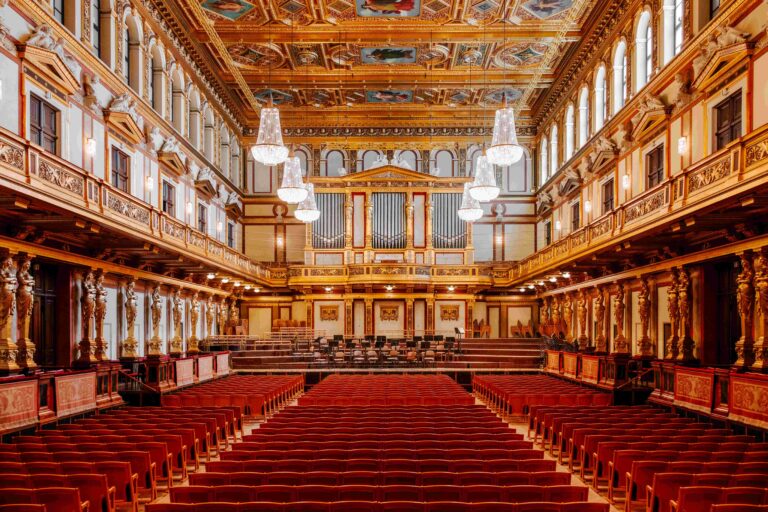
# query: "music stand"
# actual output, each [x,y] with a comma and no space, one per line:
[459,335]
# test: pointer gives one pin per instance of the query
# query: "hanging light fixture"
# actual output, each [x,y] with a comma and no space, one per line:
[484,187]
[470,210]
[307,210]
[504,148]
[292,189]
[269,148]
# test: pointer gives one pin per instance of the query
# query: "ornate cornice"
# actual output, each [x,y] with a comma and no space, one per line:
[524,131]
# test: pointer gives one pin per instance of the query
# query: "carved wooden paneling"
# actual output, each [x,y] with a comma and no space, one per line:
[75,393]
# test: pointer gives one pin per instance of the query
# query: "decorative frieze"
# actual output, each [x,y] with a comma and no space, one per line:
[646,205]
[61,178]
[709,174]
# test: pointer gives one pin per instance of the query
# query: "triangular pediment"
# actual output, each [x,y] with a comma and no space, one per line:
[124,124]
[720,64]
[389,173]
[172,161]
[648,122]
[206,187]
[51,68]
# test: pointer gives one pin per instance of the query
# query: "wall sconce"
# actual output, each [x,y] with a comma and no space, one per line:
[219,227]
[587,206]
[279,241]
[625,182]
[499,239]
[451,288]
[328,289]
[553,279]
[566,275]
[211,275]
[224,280]
[90,146]
[389,287]
[558,225]
[189,207]
[149,183]
[682,145]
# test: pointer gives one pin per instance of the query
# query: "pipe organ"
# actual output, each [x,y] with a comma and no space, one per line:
[329,230]
[448,231]
[389,220]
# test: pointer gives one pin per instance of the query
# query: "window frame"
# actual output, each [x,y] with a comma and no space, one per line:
[95,6]
[575,216]
[231,234]
[39,129]
[126,54]
[168,198]
[733,130]
[607,186]
[547,233]
[654,176]
[117,178]
[58,11]
[678,23]
[202,218]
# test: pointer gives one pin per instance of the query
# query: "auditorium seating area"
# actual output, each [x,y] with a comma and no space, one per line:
[514,395]
[122,457]
[382,442]
[644,458]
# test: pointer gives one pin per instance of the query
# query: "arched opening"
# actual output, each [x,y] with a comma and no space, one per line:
[224,154]
[408,159]
[177,100]
[600,97]
[132,52]
[619,93]
[208,134]
[643,50]
[543,168]
[583,116]
[569,131]
[195,118]
[156,82]
[443,163]
[553,150]
[333,163]
[370,159]
[304,160]
[673,11]
[234,168]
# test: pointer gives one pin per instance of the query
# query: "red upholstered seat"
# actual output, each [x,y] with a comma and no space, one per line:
[23,508]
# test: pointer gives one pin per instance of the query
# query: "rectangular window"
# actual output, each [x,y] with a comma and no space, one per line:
[96,27]
[120,165]
[607,196]
[575,216]
[728,120]
[58,10]
[202,218]
[230,235]
[654,166]
[547,233]
[169,199]
[43,124]
[714,6]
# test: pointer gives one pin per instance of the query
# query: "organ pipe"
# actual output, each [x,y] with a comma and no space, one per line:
[448,231]
[389,220]
[329,230]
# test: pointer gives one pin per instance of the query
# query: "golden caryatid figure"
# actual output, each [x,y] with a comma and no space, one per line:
[194,317]
[210,316]
[620,345]
[8,287]
[556,315]
[25,303]
[673,310]
[177,310]
[101,346]
[156,309]
[568,317]
[761,293]
[644,344]
[745,301]
[581,314]
[685,345]
[223,317]
[131,304]
[87,310]
[601,346]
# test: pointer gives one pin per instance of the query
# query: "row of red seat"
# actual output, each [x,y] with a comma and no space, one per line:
[54,499]
[373,444]
[260,395]
[92,488]
[378,465]
[391,506]
[395,453]
[387,390]
[513,395]
[353,436]
[381,478]
[701,499]
[372,493]
[665,487]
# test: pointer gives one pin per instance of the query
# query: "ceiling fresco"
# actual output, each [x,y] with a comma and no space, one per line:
[382,61]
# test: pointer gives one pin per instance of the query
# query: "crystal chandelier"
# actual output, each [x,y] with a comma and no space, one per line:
[470,210]
[484,187]
[292,190]
[504,148]
[269,148]
[307,210]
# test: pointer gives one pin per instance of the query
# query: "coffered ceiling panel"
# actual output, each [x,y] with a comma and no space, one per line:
[383,62]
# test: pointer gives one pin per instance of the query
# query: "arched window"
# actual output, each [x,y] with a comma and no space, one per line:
[553,150]
[95,6]
[543,169]
[194,118]
[132,53]
[333,164]
[224,154]
[473,154]
[570,122]
[370,157]
[619,94]
[234,168]
[208,134]
[644,50]
[443,164]
[304,161]
[156,82]
[408,159]
[600,96]
[583,116]
[673,28]
[177,100]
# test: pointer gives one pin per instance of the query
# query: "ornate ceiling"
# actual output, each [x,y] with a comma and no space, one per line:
[395,63]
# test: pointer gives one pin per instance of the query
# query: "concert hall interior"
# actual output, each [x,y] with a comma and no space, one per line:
[383,255]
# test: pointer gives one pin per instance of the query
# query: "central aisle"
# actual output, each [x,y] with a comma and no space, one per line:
[384,442]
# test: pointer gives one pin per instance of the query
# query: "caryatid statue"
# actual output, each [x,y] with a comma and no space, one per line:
[644,344]
[177,310]
[686,344]
[194,317]
[131,304]
[620,345]
[745,301]
[600,341]
[673,310]
[568,317]
[210,316]
[761,293]
[156,310]
[223,317]
[87,310]
[25,302]
[99,314]
[581,314]
[8,287]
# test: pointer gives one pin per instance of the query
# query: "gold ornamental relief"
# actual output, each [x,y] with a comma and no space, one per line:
[449,313]
[329,313]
